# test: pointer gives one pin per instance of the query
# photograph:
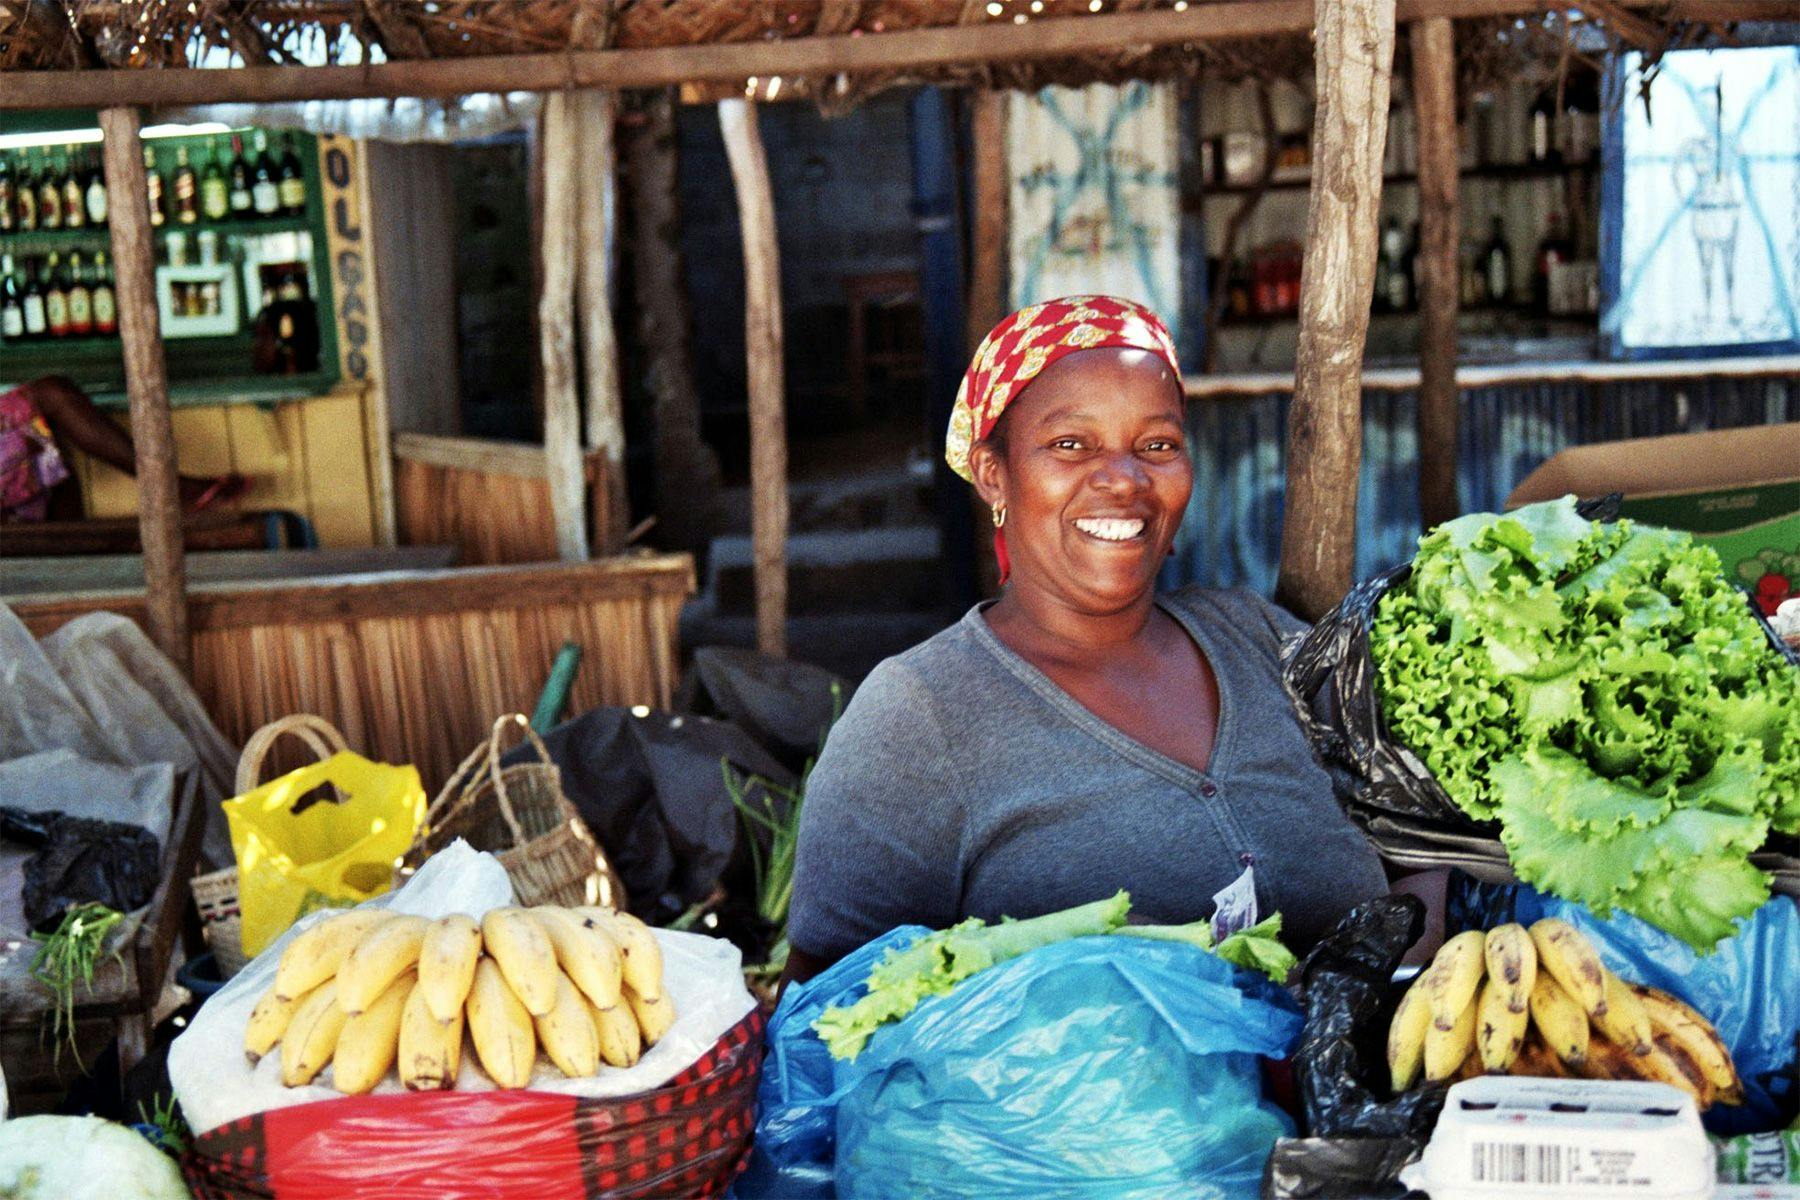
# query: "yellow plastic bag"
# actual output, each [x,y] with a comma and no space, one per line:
[329,855]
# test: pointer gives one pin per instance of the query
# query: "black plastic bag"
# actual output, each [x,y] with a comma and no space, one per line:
[785,706]
[1358,1136]
[81,861]
[651,790]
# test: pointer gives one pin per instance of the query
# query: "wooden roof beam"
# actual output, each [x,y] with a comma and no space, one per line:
[913,49]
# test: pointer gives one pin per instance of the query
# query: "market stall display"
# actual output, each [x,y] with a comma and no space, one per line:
[1597,689]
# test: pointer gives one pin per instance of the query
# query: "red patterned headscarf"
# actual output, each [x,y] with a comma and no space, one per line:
[1020,347]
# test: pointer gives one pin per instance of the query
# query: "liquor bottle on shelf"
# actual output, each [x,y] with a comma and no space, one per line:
[56,299]
[9,200]
[215,193]
[187,189]
[1581,117]
[81,300]
[238,193]
[1542,144]
[1496,267]
[25,197]
[292,185]
[37,321]
[1553,249]
[12,303]
[265,193]
[153,189]
[74,204]
[106,301]
[93,196]
[1391,269]
[49,205]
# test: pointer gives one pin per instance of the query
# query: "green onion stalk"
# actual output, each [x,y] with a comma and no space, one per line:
[69,955]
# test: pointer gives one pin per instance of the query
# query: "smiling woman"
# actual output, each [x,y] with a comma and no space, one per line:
[1080,734]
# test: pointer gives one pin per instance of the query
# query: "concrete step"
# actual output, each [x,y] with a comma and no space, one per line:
[848,644]
[892,569]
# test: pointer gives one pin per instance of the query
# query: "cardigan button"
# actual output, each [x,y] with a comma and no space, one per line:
[1209,789]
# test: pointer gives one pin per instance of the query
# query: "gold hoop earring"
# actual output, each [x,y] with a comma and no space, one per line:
[999,515]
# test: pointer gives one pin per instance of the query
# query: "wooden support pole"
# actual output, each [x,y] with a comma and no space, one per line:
[147,383]
[762,351]
[987,249]
[1354,57]
[604,417]
[1440,231]
[556,328]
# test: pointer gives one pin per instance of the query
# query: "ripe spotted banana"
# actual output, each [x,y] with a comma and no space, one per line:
[370,1039]
[1499,1031]
[1695,1034]
[315,955]
[268,1021]
[1561,1021]
[384,954]
[1446,1049]
[621,1041]
[1537,1060]
[500,1026]
[1607,1059]
[430,1050]
[1570,959]
[1625,1020]
[655,1014]
[1452,978]
[588,955]
[1406,1037]
[1511,964]
[447,964]
[312,1036]
[567,1032]
[642,963]
[520,949]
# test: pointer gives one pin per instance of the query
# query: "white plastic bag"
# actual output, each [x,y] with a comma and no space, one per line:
[216,1084]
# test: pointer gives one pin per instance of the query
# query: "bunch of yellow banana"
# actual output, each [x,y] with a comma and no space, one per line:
[1539,1001]
[369,989]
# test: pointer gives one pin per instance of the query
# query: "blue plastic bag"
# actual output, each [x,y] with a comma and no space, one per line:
[1105,1067]
[1748,987]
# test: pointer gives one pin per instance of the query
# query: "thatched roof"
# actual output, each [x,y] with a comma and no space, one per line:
[88,35]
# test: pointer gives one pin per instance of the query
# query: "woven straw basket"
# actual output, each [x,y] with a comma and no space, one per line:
[216,893]
[521,816]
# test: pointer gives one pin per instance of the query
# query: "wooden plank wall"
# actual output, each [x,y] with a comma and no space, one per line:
[302,455]
[414,668]
[491,500]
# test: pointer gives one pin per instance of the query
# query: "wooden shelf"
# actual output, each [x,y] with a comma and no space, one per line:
[101,235]
[1511,310]
[1499,172]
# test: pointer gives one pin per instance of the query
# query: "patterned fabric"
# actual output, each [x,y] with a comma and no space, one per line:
[1020,347]
[29,463]
[689,1138]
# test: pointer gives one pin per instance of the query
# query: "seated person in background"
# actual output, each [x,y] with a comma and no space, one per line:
[35,417]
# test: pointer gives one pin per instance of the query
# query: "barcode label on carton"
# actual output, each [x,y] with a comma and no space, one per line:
[1518,1162]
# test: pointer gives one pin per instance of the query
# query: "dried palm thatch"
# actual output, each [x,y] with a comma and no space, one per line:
[71,34]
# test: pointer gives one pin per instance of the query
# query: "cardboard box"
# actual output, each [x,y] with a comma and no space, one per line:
[1737,490]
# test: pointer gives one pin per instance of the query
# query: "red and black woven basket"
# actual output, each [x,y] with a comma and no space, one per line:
[688,1138]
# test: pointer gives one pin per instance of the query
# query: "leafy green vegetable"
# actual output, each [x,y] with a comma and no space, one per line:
[69,955]
[1604,693]
[939,961]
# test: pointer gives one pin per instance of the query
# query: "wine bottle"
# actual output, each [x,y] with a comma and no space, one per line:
[56,300]
[74,205]
[1392,269]
[153,189]
[94,197]
[1552,251]
[12,303]
[25,206]
[9,200]
[187,189]
[265,193]
[50,214]
[37,322]
[1496,266]
[239,192]
[292,186]
[81,300]
[215,193]
[106,301]
[1543,141]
